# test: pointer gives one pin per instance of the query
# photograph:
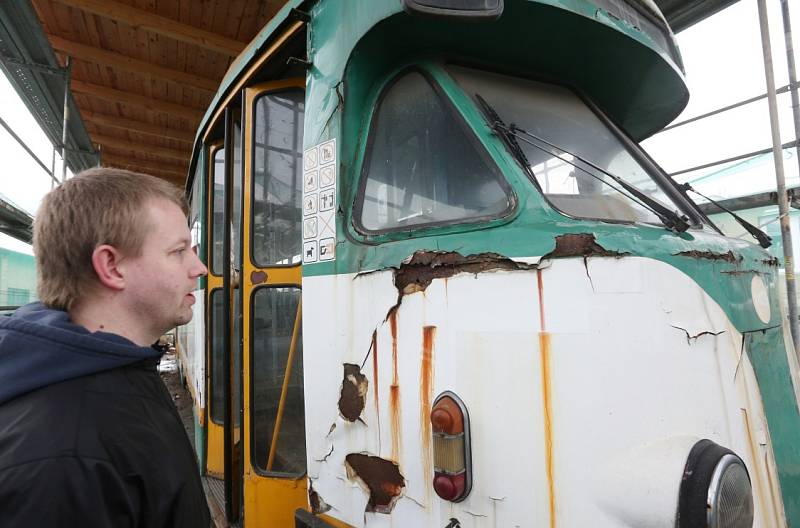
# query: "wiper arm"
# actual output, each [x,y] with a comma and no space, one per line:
[508,138]
[671,219]
[764,240]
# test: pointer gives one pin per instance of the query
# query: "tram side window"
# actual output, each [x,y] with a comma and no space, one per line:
[218,210]
[423,167]
[218,360]
[277,178]
[275,314]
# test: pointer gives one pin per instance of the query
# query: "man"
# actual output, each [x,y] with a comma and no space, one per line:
[89,435]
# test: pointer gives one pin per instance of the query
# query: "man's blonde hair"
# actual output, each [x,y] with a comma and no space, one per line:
[96,207]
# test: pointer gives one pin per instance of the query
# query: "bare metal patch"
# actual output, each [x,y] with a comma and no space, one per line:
[424,266]
[353,396]
[710,255]
[380,477]
[258,277]
[580,245]
[315,501]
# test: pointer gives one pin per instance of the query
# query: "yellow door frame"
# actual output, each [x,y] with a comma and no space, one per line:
[268,500]
[215,440]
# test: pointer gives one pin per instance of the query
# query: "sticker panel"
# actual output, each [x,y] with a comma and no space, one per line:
[319,203]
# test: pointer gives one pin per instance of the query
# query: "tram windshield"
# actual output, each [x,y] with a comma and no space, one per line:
[572,153]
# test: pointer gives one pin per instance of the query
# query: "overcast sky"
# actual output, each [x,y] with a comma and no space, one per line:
[723,62]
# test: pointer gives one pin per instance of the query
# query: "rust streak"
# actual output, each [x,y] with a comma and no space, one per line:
[394,392]
[375,383]
[544,357]
[425,399]
[541,300]
[759,485]
[544,353]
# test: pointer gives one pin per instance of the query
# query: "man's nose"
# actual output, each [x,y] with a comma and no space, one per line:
[199,269]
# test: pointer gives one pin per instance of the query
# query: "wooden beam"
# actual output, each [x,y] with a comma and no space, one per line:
[123,62]
[140,127]
[139,18]
[121,144]
[119,96]
[143,165]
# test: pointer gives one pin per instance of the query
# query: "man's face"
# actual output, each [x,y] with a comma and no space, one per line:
[159,282]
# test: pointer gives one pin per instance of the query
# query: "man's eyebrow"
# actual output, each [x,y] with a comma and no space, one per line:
[186,241]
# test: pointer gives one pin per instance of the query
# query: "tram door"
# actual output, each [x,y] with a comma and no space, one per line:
[224,426]
[274,456]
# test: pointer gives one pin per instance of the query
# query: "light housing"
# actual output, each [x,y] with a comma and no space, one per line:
[462,9]
[452,459]
[715,489]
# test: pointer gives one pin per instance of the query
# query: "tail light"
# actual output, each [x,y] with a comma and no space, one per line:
[452,460]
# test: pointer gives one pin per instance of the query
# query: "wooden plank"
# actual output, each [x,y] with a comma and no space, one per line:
[119,96]
[158,24]
[122,144]
[118,60]
[146,165]
[140,127]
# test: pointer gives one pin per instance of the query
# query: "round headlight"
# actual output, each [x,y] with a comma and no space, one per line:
[730,497]
[715,489]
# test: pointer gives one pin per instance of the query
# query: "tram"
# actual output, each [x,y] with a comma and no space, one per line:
[448,288]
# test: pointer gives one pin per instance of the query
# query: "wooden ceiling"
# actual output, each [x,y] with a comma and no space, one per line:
[144,71]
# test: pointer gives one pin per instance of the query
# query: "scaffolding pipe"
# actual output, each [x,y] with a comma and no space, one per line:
[777,153]
[787,35]
[64,124]
[26,147]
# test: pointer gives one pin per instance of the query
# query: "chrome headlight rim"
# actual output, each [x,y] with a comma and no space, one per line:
[706,466]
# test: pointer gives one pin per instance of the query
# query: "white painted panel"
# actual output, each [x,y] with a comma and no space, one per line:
[633,380]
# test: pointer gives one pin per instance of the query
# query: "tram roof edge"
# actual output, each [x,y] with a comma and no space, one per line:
[686,11]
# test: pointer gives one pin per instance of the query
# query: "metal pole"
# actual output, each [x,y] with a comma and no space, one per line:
[53,179]
[777,153]
[67,78]
[787,35]
[24,146]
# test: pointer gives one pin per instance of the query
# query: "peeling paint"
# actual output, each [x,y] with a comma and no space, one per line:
[418,272]
[425,399]
[695,337]
[740,272]
[381,478]
[773,262]
[710,255]
[579,245]
[353,395]
[315,501]
[258,277]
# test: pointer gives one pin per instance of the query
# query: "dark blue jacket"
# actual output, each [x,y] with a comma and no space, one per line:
[89,435]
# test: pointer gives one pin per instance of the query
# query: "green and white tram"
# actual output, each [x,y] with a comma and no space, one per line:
[448,288]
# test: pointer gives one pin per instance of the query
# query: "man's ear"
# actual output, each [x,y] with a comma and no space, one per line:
[106,263]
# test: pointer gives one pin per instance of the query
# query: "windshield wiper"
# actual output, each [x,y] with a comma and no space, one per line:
[509,140]
[510,133]
[764,240]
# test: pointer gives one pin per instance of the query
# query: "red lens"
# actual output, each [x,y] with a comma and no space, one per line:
[449,487]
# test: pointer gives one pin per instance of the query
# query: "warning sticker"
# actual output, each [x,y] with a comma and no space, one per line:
[319,203]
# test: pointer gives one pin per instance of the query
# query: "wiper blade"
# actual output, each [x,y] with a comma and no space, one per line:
[509,139]
[508,134]
[671,219]
[764,240]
